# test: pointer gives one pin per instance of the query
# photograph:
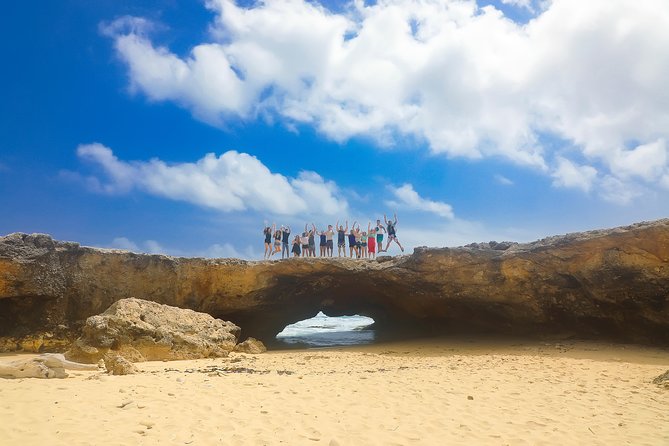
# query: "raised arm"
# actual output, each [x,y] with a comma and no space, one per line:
[306,226]
[385,219]
[369,226]
[346,230]
[395,218]
[314,226]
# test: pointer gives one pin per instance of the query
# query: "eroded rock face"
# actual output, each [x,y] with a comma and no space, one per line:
[140,330]
[600,284]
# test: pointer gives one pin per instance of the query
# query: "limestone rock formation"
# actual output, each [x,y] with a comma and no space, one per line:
[600,284]
[141,330]
[47,365]
[118,365]
[251,345]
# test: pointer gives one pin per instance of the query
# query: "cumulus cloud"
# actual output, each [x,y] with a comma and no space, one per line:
[406,198]
[571,175]
[230,182]
[466,79]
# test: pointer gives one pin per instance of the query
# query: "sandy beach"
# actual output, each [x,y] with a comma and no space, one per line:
[464,391]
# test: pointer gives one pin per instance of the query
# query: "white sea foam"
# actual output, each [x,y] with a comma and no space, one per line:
[325,331]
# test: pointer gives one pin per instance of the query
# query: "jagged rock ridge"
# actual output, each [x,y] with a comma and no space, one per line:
[607,283]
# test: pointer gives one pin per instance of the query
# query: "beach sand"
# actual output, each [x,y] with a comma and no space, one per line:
[441,392]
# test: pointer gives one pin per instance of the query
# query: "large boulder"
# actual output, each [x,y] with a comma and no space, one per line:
[141,330]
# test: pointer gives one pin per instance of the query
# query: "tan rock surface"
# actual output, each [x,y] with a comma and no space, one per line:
[141,330]
[251,345]
[599,284]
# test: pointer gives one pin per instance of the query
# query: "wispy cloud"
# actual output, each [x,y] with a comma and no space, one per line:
[504,181]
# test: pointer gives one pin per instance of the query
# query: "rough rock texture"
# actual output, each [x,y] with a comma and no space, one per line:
[251,345]
[47,365]
[662,380]
[141,330]
[118,365]
[599,284]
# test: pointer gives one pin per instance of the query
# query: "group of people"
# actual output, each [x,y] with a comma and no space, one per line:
[361,244]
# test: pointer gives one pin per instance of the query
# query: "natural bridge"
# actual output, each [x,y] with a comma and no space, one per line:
[609,284]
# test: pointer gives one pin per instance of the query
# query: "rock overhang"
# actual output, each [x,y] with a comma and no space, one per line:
[607,283]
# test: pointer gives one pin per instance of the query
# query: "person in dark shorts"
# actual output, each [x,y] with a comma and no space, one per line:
[352,247]
[267,232]
[323,244]
[341,239]
[329,234]
[392,232]
[311,240]
[285,238]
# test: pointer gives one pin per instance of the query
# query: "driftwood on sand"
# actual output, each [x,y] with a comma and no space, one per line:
[47,365]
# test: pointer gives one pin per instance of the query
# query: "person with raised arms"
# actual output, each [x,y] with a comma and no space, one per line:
[285,238]
[392,232]
[371,241]
[267,232]
[351,241]
[341,238]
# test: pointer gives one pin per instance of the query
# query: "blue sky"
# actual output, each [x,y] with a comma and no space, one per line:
[180,126]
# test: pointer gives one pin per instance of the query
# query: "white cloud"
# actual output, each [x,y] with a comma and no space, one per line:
[571,175]
[230,182]
[504,181]
[647,161]
[469,81]
[406,198]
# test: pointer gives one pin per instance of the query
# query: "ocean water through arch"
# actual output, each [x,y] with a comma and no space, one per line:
[325,331]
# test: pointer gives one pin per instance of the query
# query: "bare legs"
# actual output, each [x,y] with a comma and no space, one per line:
[391,239]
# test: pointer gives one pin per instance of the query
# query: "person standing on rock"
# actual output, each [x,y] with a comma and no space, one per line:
[311,240]
[329,234]
[268,239]
[371,241]
[296,246]
[285,238]
[392,234]
[341,239]
[352,246]
[380,229]
[323,244]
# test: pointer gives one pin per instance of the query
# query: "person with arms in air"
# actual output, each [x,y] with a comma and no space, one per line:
[341,239]
[392,232]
